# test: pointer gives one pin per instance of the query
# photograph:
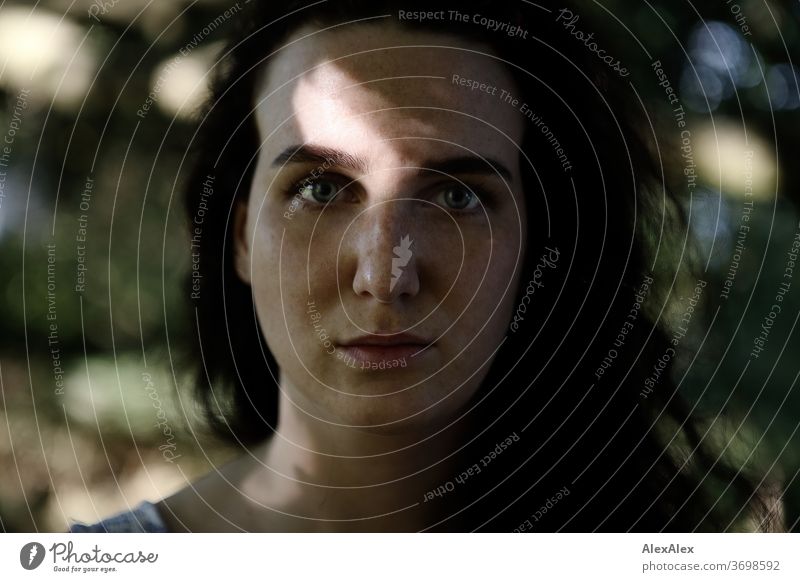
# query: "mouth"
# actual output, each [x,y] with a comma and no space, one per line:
[386,348]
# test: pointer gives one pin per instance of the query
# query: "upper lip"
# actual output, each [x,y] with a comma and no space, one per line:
[387,339]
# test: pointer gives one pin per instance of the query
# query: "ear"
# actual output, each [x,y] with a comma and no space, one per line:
[241,242]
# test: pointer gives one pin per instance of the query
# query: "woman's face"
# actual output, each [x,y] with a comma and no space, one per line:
[385,226]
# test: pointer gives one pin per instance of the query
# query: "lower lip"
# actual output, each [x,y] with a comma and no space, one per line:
[373,354]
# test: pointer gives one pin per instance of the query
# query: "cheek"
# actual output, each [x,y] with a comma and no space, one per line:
[278,280]
[491,268]
[289,270]
[489,314]
[486,301]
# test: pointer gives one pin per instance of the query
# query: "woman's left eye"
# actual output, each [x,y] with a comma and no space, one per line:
[458,197]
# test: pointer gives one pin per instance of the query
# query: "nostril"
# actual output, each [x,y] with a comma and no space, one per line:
[388,270]
[383,244]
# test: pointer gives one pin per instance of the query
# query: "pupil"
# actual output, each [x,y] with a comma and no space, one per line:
[458,198]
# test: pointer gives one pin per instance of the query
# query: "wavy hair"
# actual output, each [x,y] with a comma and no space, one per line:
[582,451]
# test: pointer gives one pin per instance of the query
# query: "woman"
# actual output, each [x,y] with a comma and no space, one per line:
[432,255]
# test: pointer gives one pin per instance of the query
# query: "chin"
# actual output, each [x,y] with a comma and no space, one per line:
[394,401]
[420,409]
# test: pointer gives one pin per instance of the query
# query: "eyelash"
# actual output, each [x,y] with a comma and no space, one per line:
[294,189]
[484,196]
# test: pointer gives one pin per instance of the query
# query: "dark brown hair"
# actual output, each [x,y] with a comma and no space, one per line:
[610,217]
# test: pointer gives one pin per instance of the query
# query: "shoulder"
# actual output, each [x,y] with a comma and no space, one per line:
[216,502]
[144,518]
[211,504]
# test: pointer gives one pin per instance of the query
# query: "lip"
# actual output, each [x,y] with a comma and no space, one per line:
[385,348]
[387,339]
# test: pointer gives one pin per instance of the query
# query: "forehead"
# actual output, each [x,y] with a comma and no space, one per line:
[380,88]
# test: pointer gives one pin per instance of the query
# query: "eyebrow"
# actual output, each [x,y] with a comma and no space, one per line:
[328,157]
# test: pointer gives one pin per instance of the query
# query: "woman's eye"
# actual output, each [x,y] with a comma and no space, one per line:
[458,197]
[319,191]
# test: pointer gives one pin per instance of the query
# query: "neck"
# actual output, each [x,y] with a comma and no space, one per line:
[348,479]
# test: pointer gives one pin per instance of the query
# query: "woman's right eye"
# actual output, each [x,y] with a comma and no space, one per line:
[319,191]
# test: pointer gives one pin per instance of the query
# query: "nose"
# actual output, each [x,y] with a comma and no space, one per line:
[387,252]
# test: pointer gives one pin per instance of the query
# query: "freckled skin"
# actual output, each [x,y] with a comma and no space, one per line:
[459,285]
